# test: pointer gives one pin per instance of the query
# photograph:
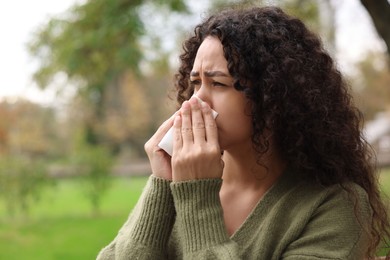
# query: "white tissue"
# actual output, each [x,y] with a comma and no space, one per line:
[166,142]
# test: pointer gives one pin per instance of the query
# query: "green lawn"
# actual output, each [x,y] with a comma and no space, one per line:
[61,226]
[384,180]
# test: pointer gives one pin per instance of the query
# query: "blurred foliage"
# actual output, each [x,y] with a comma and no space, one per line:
[97,45]
[372,85]
[124,102]
[29,137]
[94,43]
[29,129]
[21,183]
[317,15]
[93,165]
[307,10]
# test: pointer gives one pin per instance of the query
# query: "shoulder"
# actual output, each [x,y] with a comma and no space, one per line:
[336,224]
[347,200]
[311,198]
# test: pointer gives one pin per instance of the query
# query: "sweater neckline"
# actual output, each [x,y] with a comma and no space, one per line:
[259,212]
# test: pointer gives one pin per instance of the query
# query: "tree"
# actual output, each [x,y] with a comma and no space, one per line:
[316,14]
[96,44]
[126,113]
[28,129]
[27,138]
[379,10]
[93,166]
[21,183]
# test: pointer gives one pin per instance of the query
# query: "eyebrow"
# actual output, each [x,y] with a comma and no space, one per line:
[209,74]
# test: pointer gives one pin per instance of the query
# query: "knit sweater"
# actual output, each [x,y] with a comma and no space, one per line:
[293,220]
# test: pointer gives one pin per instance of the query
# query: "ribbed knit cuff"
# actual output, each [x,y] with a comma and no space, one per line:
[157,215]
[199,213]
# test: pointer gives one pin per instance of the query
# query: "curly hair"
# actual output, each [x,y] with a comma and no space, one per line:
[297,92]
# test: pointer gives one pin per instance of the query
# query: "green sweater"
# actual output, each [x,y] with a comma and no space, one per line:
[293,220]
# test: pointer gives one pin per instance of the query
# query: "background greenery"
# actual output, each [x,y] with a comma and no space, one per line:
[61,226]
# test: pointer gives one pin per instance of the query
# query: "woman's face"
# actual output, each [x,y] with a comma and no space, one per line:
[213,84]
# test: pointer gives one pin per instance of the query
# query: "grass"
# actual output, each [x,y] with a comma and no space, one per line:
[61,226]
[67,198]
[59,238]
[384,180]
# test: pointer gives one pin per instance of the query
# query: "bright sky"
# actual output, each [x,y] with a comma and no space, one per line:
[18,19]
[355,32]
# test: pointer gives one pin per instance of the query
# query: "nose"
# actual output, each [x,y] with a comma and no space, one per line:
[204,95]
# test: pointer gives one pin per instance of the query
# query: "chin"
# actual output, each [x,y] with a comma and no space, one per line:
[223,146]
[224,143]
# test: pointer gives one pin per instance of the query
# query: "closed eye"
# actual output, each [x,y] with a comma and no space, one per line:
[194,82]
[218,84]
[197,82]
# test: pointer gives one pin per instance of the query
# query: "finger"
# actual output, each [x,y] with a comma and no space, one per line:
[186,125]
[177,138]
[198,126]
[210,124]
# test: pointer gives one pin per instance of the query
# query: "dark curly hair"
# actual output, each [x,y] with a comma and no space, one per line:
[297,92]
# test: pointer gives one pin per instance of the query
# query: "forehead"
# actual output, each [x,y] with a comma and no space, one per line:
[210,56]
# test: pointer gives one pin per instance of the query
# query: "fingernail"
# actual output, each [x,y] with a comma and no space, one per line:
[194,100]
[200,101]
[185,105]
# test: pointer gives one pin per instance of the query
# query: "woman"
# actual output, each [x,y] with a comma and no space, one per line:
[294,179]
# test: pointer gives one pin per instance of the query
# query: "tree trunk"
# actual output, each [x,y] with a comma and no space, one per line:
[379,11]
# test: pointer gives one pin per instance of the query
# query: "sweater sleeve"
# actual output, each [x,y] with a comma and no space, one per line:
[146,233]
[200,220]
[338,228]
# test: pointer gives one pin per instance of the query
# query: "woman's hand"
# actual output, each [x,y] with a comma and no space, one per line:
[196,151]
[160,161]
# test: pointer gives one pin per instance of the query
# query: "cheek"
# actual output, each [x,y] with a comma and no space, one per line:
[234,131]
[235,124]
[233,120]
[243,126]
